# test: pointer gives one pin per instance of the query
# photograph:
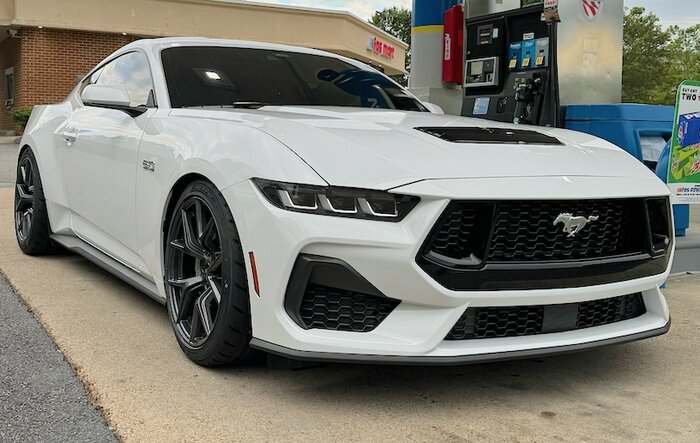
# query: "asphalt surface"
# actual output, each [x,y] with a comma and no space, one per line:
[122,344]
[41,400]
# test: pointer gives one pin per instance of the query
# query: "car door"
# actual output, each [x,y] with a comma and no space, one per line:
[99,159]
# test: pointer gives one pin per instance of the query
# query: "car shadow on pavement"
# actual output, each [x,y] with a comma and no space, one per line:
[577,376]
[602,365]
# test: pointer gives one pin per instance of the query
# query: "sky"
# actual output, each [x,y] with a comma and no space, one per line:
[672,12]
[683,13]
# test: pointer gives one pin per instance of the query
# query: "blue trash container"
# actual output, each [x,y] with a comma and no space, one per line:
[625,125]
[681,213]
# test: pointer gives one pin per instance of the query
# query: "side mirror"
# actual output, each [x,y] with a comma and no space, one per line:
[106,95]
[112,97]
[432,107]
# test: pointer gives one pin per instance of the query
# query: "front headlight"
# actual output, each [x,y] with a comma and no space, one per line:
[339,202]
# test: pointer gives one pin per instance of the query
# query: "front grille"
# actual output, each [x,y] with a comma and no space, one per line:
[340,310]
[464,231]
[525,245]
[528,231]
[519,321]
[525,231]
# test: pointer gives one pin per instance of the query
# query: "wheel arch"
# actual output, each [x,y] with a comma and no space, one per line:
[175,192]
[23,148]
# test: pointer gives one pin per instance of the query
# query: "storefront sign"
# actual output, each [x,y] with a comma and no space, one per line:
[379,47]
[684,165]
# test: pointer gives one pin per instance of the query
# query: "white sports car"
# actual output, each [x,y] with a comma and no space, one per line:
[302,203]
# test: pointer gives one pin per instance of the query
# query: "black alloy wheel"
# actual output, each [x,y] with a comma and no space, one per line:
[32,227]
[205,277]
[195,271]
[24,198]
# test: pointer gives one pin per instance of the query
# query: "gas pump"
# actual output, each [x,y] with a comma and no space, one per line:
[510,75]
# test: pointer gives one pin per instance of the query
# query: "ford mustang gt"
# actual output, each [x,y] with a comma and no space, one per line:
[302,203]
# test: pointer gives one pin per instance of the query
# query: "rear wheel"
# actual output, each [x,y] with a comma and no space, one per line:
[32,227]
[205,275]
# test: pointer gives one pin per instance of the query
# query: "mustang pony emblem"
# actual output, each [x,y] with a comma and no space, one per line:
[574,225]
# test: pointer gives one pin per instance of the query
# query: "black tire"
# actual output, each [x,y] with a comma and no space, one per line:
[201,259]
[32,227]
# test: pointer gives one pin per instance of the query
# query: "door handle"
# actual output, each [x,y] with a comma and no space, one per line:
[69,137]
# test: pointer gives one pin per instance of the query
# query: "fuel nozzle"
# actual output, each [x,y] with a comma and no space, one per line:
[525,94]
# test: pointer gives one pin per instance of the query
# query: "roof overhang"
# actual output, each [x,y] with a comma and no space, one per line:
[334,31]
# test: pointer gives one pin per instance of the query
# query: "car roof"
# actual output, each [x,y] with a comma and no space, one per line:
[158,44]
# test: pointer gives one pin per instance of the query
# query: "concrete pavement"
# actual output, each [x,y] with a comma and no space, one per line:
[123,347]
[8,164]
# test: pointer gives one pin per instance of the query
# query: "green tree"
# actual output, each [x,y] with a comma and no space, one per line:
[397,22]
[683,60]
[644,73]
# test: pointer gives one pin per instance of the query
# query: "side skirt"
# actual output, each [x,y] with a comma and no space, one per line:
[109,264]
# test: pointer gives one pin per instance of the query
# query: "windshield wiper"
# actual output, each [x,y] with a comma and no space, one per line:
[249,105]
[242,105]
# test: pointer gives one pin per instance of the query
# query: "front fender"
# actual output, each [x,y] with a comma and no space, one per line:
[223,152]
[42,135]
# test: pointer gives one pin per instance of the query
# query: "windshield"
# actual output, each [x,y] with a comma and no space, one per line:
[225,76]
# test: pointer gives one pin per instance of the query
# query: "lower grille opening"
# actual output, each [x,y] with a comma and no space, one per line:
[340,310]
[519,321]
[327,293]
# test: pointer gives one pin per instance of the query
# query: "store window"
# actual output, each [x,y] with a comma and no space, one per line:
[9,87]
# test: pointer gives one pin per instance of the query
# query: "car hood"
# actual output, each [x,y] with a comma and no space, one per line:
[381,149]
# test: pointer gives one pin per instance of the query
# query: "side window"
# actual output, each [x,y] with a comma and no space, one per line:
[131,71]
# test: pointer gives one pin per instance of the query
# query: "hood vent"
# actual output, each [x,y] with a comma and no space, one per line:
[493,136]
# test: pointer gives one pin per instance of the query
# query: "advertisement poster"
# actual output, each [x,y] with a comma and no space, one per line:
[684,165]
[551,11]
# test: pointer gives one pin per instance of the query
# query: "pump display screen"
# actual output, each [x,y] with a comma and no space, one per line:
[476,68]
[482,72]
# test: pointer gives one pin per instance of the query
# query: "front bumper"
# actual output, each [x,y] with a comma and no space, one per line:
[384,254]
[451,360]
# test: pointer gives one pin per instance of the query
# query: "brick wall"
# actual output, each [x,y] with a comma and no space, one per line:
[47,62]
